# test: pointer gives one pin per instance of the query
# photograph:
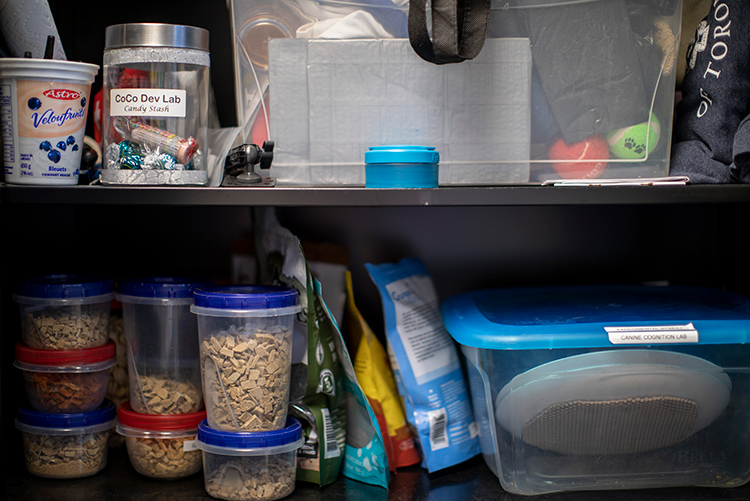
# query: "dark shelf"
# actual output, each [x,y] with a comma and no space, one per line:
[284,196]
[471,480]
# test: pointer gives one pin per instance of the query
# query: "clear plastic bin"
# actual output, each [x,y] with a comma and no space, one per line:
[66,445]
[64,311]
[65,381]
[161,446]
[250,466]
[608,387]
[561,89]
[162,344]
[246,345]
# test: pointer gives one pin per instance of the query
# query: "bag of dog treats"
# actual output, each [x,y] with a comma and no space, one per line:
[426,364]
[376,378]
[340,428]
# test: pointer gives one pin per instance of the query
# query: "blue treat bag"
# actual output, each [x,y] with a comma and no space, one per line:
[426,364]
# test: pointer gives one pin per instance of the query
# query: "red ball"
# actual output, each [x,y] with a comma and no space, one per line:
[594,148]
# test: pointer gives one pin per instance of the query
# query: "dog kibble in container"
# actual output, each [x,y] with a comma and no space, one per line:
[70,445]
[64,381]
[250,466]
[161,446]
[162,344]
[64,311]
[246,344]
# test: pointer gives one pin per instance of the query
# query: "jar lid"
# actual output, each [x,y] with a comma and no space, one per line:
[245,297]
[155,35]
[290,434]
[65,286]
[158,422]
[160,287]
[105,413]
[402,154]
[26,355]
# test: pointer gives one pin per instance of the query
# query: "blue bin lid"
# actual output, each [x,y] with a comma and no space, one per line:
[105,413]
[65,286]
[582,316]
[245,297]
[291,433]
[406,154]
[160,287]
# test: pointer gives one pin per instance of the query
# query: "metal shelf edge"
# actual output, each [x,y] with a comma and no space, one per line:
[287,196]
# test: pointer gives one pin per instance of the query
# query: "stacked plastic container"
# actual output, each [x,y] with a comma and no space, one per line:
[249,444]
[65,356]
[160,420]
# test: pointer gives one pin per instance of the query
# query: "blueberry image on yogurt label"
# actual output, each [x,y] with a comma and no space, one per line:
[62,145]
[44,145]
[34,103]
[54,156]
[71,140]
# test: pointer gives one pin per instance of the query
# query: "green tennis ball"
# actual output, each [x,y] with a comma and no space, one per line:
[630,142]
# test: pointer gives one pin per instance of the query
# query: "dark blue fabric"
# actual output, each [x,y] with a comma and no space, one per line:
[711,140]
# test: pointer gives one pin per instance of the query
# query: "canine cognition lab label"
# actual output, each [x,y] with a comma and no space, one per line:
[147,103]
[653,334]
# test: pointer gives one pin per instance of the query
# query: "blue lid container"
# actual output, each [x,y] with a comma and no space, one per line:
[101,418]
[258,443]
[64,286]
[245,297]
[401,166]
[148,289]
[596,317]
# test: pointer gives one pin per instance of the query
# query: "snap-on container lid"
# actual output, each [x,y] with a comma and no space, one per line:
[402,154]
[126,416]
[31,358]
[596,316]
[288,438]
[155,35]
[104,414]
[159,287]
[64,286]
[245,297]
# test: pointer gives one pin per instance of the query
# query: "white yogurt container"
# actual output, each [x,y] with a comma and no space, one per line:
[43,110]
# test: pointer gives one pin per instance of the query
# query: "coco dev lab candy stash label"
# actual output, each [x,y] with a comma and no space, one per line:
[147,102]
[43,111]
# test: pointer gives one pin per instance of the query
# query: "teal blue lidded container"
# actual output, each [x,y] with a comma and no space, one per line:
[401,166]
[597,387]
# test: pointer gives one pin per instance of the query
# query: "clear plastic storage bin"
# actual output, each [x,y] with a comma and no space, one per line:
[162,344]
[250,466]
[608,387]
[66,445]
[561,89]
[246,354]
[64,311]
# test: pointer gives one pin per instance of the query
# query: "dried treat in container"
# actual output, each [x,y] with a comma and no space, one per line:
[161,446]
[250,466]
[165,395]
[70,445]
[64,311]
[246,342]
[162,344]
[65,381]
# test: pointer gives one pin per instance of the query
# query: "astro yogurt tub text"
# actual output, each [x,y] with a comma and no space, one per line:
[43,111]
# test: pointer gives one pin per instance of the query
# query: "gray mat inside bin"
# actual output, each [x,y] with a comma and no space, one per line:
[613,402]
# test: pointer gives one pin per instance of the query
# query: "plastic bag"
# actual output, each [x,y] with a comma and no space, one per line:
[376,378]
[426,365]
[340,428]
